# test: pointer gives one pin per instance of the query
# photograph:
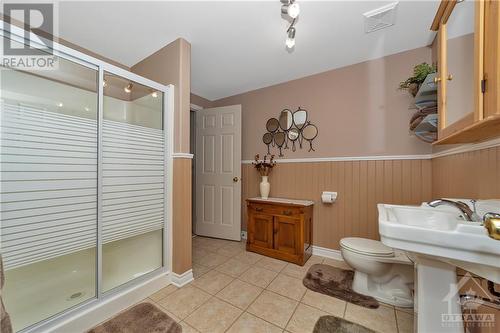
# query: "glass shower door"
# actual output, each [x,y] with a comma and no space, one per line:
[133,163]
[48,193]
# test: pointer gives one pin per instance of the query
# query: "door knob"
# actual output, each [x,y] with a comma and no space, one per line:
[235,179]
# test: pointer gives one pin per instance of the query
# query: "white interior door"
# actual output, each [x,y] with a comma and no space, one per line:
[218,172]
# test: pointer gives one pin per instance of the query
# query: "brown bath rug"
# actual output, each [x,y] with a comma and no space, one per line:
[142,318]
[336,282]
[332,324]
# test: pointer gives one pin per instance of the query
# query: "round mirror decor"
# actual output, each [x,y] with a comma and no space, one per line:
[300,118]
[293,135]
[279,139]
[290,126]
[267,139]
[286,119]
[309,133]
[272,125]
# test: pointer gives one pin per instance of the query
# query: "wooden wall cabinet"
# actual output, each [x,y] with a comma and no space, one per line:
[472,115]
[280,228]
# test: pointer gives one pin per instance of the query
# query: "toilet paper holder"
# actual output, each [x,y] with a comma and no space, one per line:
[328,197]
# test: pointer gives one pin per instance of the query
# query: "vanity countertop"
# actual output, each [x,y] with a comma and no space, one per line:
[282,201]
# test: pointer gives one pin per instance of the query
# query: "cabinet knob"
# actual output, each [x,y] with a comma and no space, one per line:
[437,79]
[450,77]
[235,179]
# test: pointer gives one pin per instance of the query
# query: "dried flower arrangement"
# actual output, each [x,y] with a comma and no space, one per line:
[264,166]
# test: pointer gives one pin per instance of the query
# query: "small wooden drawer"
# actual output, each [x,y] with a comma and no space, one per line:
[275,210]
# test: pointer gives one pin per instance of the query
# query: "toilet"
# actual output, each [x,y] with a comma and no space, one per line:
[379,271]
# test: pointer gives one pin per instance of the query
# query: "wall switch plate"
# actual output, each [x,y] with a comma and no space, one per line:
[243,235]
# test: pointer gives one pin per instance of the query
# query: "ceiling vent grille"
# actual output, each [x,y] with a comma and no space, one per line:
[380,18]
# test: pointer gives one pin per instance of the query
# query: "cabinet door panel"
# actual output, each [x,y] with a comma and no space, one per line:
[287,234]
[261,230]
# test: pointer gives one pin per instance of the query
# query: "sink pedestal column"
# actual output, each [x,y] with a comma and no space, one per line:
[437,300]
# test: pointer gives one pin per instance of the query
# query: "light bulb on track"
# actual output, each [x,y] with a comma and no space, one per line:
[290,40]
[293,10]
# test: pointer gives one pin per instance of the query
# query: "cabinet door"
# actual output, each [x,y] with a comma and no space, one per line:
[260,228]
[287,234]
[460,85]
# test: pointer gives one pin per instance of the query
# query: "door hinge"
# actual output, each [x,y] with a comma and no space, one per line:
[483,86]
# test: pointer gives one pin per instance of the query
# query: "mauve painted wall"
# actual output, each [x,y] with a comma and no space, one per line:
[358,109]
[200,101]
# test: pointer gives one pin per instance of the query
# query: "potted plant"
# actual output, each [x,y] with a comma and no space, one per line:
[264,167]
[420,72]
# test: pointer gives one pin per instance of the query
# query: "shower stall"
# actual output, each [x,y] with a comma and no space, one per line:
[85,176]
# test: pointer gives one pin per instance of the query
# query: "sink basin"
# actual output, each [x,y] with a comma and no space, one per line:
[440,233]
[422,217]
[438,240]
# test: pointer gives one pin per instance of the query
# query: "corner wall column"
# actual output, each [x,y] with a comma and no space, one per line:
[172,65]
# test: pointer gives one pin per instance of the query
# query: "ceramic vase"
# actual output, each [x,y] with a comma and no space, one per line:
[265,187]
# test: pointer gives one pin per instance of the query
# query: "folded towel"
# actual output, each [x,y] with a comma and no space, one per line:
[420,115]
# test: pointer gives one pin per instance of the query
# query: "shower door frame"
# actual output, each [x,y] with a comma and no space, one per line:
[101,298]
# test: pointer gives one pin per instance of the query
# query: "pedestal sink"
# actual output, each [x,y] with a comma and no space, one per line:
[438,240]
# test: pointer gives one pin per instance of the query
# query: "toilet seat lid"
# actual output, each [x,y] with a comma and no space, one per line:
[366,246]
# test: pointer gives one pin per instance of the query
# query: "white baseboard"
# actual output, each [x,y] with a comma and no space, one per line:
[327,253]
[81,320]
[180,280]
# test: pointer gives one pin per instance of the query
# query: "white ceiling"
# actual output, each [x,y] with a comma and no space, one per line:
[240,46]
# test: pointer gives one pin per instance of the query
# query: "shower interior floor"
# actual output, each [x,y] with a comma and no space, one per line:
[40,290]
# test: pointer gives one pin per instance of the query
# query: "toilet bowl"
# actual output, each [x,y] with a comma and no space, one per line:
[379,271]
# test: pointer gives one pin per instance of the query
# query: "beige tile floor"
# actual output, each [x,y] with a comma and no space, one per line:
[238,291]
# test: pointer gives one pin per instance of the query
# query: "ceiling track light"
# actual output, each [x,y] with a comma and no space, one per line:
[128,88]
[292,9]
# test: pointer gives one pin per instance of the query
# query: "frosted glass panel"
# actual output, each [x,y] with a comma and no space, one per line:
[48,195]
[133,181]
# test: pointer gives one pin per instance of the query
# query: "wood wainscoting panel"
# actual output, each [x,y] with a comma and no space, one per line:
[360,186]
[474,174]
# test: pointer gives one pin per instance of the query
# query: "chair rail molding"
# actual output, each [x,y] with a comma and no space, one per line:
[183,155]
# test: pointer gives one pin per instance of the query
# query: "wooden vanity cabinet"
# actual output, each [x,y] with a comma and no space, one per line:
[473,116]
[280,228]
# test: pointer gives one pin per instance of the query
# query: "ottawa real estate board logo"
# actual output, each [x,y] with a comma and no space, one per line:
[31,47]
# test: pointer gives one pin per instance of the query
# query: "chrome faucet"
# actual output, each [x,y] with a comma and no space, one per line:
[468,214]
